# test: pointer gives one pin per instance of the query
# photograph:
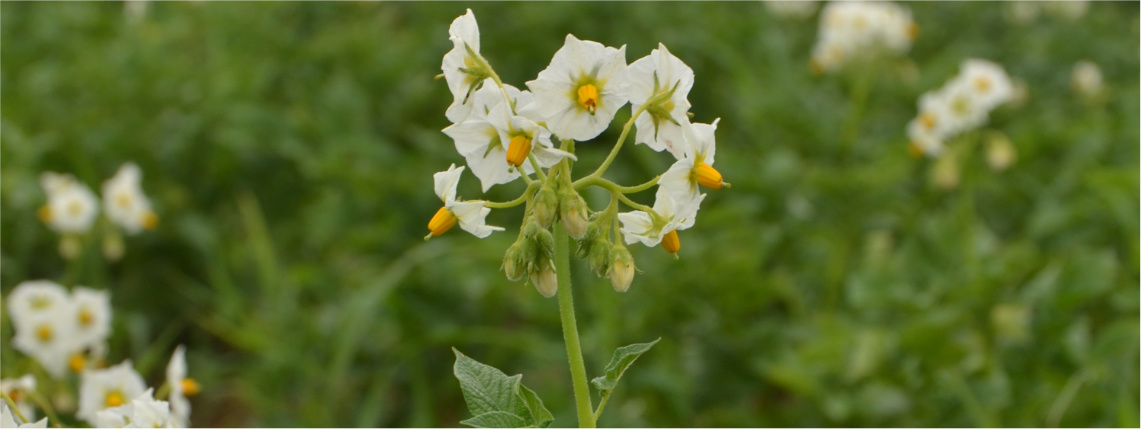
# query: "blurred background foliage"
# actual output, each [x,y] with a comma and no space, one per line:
[289,150]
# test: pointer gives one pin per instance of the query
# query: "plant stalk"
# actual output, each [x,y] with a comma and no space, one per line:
[570,329]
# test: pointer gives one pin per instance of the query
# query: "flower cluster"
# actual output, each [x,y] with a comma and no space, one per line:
[851,30]
[72,208]
[507,134]
[962,104]
[62,330]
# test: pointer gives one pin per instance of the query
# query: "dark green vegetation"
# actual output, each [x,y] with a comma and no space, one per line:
[289,150]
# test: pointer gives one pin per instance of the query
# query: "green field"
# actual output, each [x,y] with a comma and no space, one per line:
[289,150]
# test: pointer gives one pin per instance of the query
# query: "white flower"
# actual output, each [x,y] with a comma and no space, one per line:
[987,82]
[124,201]
[693,168]
[661,74]
[91,311]
[107,388]
[1086,78]
[8,420]
[672,215]
[49,338]
[487,135]
[18,389]
[850,30]
[922,136]
[180,387]
[462,70]
[470,215]
[71,206]
[36,296]
[142,412]
[580,91]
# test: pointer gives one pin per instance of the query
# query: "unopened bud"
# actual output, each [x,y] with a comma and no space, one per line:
[945,172]
[516,259]
[546,206]
[600,256]
[545,281]
[572,210]
[544,244]
[622,269]
[69,246]
[1000,152]
[113,246]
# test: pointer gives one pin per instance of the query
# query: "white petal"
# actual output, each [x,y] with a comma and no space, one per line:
[472,217]
[446,183]
[636,228]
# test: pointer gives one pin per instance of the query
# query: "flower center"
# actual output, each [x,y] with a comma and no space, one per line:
[190,387]
[40,302]
[707,176]
[77,362]
[588,97]
[442,222]
[113,399]
[149,220]
[45,214]
[982,84]
[927,120]
[518,150]
[85,317]
[44,333]
[75,208]
[123,199]
[671,242]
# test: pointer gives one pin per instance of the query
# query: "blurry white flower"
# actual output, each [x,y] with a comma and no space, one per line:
[580,91]
[851,30]
[135,10]
[987,82]
[71,206]
[470,215]
[693,168]
[180,387]
[671,216]
[142,412]
[1000,152]
[91,311]
[47,337]
[1086,78]
[18,390]
[36,296]
[792,9]
[124,201]
[667,80]
[1022,12]
[1072,10]
[9,420]
[463,68]
[107,388]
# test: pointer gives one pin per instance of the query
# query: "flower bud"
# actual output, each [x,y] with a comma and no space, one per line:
[1000,152]
[622,269]
[544,244]
[545,281]
[113,247]
[572,210]
[546,206]
[70,246]
[600,256]
[517,258]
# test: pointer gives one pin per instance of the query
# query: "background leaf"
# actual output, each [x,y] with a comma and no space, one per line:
[622,359]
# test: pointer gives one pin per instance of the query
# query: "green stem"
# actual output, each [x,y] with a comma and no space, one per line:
[635,205]
[515,202]
[602,404]
[614,187]
[14,408]
[570,328]
[44,405]
[617,146]
[863,87]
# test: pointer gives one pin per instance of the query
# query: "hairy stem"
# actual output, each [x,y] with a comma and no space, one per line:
[570,328]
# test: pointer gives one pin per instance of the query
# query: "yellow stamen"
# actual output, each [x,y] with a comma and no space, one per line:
[671,242]
[588,97]
[113,399]
[85,317]
[518,150]
[442,222]
[77,362]
[707,176]
[913,31]
[150,220]
[914,150]
[190,387]
[982,84]
[44,332]
[15,394]
[45,214]
[123,199]
[927,120]
[75,208]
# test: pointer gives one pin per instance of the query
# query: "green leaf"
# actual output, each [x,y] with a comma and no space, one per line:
[622,359]
[498,400]
[540,415]
[496,419]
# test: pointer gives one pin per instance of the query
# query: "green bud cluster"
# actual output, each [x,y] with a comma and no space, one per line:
[533,255]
